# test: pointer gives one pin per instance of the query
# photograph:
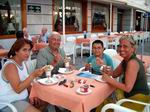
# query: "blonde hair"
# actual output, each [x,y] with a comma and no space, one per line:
[128,38]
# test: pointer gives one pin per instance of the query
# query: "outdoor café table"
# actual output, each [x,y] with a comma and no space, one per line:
[3,52]
[68,97]
[82,40]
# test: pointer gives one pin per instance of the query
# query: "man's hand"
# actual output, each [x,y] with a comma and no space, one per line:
[99,61]
[57,58]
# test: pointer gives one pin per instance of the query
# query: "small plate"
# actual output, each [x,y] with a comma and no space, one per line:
[63,71]
[83,93]
[46,82]
[99,78]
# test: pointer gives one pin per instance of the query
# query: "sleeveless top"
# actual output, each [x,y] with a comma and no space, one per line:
[7,94]
[140,85]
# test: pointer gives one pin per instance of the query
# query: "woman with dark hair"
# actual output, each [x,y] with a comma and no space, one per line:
[98,58]
[15,79]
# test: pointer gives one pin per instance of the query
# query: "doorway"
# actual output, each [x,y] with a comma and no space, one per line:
[119,20]
[138,21]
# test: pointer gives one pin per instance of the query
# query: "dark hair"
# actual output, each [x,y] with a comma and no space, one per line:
[19,34]
[98,42]
[18,45]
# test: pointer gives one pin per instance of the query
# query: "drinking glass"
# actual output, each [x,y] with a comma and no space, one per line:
[67,63]
[48,75]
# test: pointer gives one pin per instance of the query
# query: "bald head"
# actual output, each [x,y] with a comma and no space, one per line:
[54,35]
[54,40]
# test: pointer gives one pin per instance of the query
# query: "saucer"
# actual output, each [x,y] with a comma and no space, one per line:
[63,71]
[45,81]
[99,79]
[83,93]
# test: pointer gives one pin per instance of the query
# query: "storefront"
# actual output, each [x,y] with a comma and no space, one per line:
[12,17]
[80,15]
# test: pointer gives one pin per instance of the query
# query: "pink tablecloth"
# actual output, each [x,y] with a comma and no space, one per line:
[69,99]
[82,40]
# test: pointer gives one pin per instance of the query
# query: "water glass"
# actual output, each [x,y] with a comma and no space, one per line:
[67,63]
[48,74]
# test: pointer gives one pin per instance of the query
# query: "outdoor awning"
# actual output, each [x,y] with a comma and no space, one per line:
[138,5]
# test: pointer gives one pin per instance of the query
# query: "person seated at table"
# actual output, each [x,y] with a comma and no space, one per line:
[134,83]
[98,58]
[15,80]
[26,34]
[52,54]
[44,35]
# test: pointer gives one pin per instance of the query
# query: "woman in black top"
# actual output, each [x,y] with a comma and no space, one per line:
[134,83]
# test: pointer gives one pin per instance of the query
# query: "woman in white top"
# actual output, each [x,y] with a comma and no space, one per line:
[15,80]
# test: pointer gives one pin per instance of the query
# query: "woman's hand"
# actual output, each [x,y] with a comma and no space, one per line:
[38,72]
[107,70]
[57,58]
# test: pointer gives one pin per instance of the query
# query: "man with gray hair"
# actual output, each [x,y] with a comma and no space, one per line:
[52,54]
[44,35]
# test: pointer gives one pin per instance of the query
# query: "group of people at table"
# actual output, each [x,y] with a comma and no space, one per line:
[16,82]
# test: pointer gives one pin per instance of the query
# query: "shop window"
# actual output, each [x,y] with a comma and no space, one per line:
[10,17]
[73,16]
[100,17]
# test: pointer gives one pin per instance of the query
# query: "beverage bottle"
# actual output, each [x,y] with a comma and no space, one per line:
[85,35]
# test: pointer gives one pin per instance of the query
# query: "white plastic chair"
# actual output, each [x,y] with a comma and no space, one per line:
[116,62]
[147,105]
[3,60]
[110,52]
[31,64]
[100,34]
[81,69]
[113,43]
[13,108]
[69,48]
[71,38]
[86,47]
[94,36]
[3,104]
[78,46]
[115,107]
[118,108]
